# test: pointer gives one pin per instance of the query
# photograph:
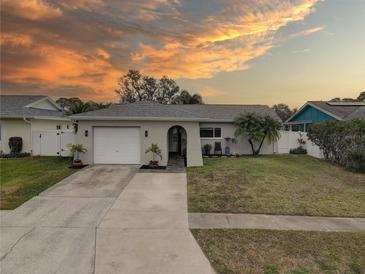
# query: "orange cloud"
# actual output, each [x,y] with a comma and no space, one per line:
[32,9]
[225,43]
[88,44]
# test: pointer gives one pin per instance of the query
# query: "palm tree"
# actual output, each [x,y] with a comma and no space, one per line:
[256,128]
[156,151]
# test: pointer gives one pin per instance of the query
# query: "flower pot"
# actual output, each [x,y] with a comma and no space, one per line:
[77,162]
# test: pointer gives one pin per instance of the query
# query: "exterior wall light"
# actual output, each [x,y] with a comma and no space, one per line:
[146,133]
[86,133]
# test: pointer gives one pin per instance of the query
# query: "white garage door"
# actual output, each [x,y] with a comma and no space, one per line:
[117,145]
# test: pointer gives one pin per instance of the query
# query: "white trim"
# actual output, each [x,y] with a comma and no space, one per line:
[119,118]
[51,118]
[46,98]
[213,138]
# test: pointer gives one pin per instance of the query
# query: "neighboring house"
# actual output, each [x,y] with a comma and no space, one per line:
[121,133]
[37,119]
[319,111]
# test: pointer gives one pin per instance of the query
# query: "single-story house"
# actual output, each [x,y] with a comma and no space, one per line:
[319,111]
[37,119]
[121,133]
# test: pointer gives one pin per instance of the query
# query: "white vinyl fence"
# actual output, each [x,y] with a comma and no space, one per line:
[289,140]
[52,142]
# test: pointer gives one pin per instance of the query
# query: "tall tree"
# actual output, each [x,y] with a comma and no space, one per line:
[283,111]
[186,98]
[257,128]
[360,98]
[76,105]
[134,86]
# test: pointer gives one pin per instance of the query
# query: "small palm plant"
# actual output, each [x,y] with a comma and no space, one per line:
[156,151]
[76,149]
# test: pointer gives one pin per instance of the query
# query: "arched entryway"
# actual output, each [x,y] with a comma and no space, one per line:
[176,145]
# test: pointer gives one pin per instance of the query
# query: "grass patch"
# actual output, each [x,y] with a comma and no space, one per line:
[294,252]
[275,184]
[21,179]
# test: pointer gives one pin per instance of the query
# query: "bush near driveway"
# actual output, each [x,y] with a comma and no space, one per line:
[21,179]
[275,184]
[294,252]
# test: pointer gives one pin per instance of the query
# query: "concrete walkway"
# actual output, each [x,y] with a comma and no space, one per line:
[55,232]
[276,222]
[146,230]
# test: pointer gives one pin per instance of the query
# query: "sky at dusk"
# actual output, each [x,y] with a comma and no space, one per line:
[230,51]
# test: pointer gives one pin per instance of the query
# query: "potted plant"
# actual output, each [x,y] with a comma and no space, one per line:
[207,148]
[227,149]
[76,149]
[156,151]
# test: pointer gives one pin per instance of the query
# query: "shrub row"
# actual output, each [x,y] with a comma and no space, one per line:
[15,155]
[342,142]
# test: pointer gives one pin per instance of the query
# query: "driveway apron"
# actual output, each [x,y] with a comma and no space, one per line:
[146,230]
[55,232]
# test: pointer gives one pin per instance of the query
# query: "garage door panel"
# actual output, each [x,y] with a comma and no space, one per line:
[117,145]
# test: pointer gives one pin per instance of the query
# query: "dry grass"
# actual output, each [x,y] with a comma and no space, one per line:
[295,252]
[276,184]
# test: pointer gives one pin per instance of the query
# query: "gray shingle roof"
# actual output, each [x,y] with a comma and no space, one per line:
[14,106]
[343,110]
[156,111]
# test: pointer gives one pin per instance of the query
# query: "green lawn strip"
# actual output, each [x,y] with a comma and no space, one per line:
[275,184]
[21,179]
[295,252]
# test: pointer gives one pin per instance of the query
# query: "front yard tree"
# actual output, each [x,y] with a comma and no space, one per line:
[134,86]
[256,128]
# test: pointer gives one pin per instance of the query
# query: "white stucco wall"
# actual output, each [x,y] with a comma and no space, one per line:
[20,128]
[241,147]
[157,133]
[15,128]
[50,124]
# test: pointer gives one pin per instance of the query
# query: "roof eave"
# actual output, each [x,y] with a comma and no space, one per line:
[36,117]
[126,118]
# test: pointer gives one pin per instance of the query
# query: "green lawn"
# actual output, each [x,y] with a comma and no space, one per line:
[21,179]
[294,252]
[275,184]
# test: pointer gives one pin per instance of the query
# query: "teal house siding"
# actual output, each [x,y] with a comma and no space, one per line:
[312,114]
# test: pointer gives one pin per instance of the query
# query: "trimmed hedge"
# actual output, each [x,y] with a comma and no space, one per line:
[342,142]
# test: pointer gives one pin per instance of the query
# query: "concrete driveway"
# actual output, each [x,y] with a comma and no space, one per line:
[146,230]
[55,232]
[88,224]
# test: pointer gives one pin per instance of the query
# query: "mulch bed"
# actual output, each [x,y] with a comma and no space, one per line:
[149,167]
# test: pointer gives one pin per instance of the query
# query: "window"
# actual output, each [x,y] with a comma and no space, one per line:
[209,132]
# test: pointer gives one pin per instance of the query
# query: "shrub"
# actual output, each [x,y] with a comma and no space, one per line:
[207,148]
[298,150]
[356,161]
[15,144]
[342,142]
[15,155]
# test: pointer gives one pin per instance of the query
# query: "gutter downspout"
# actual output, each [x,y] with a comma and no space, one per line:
[30,134]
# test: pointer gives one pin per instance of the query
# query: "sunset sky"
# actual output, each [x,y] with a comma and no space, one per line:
[230,51]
